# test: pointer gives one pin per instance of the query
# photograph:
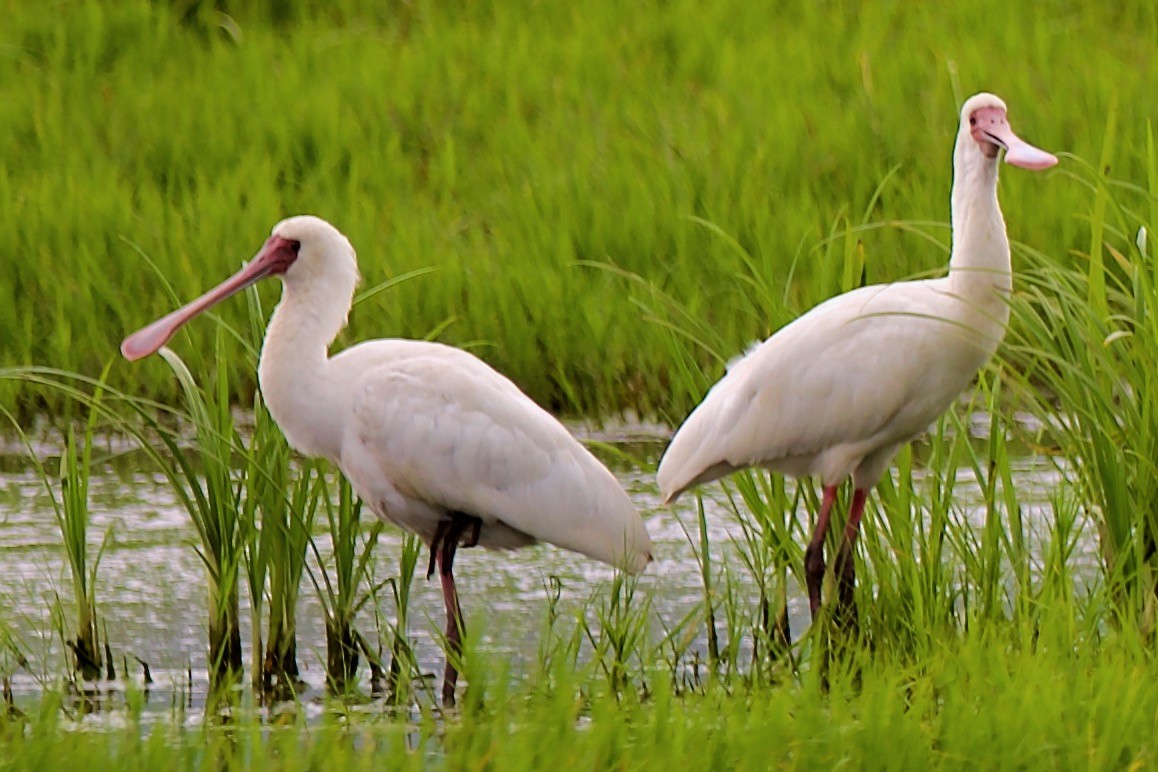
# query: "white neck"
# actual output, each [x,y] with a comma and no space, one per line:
[293,370]
[980,272]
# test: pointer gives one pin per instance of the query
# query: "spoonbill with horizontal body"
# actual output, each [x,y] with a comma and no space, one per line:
[431,438]
[837,392]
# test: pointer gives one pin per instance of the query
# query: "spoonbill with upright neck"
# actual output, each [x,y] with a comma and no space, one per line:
[430,437]
[837,392]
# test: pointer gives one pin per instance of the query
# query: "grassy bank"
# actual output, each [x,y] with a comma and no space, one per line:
[1000,698]
[504,144]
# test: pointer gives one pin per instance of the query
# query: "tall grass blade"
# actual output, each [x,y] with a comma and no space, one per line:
[216,515]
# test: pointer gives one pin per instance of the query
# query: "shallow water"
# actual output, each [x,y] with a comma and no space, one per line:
[151,585]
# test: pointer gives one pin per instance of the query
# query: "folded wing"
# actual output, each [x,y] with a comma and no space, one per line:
[446,430]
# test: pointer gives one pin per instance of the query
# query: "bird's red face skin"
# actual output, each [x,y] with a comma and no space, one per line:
[279,254]
[981,123]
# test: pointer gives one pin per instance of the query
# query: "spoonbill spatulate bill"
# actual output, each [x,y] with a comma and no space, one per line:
[430,437]
[837,392]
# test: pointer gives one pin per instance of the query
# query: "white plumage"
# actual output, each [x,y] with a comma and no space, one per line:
[821,398]
[435,429]
[837,392]
[430,437]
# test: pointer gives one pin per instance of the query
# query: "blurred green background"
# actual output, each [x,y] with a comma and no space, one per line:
[710,148]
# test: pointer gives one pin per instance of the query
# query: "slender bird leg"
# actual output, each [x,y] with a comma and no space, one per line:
[814,555]
[455,528]
[845,562]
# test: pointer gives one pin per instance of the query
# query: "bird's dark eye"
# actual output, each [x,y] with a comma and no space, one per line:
[972,121]
[296,246]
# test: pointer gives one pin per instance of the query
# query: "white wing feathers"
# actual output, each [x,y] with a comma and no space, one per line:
[444,432]
[837,382]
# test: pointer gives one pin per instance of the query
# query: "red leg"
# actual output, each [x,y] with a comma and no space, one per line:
[845,562]
[446,543]
[453,620]
[814,555]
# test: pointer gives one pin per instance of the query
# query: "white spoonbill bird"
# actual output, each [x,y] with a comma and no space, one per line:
[430,437]
[837,392]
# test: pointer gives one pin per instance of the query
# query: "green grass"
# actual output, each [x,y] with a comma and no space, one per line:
[501,144]
[974,647]
[1091,340]
[72,514]
[339,587]
[71,510]
[1016,698]
[281,509]
[607,201]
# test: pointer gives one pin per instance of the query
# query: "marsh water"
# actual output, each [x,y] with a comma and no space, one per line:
[151,583]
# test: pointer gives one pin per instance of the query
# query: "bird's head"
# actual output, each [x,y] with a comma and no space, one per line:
[985,131]
[305,249]
[302,251]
